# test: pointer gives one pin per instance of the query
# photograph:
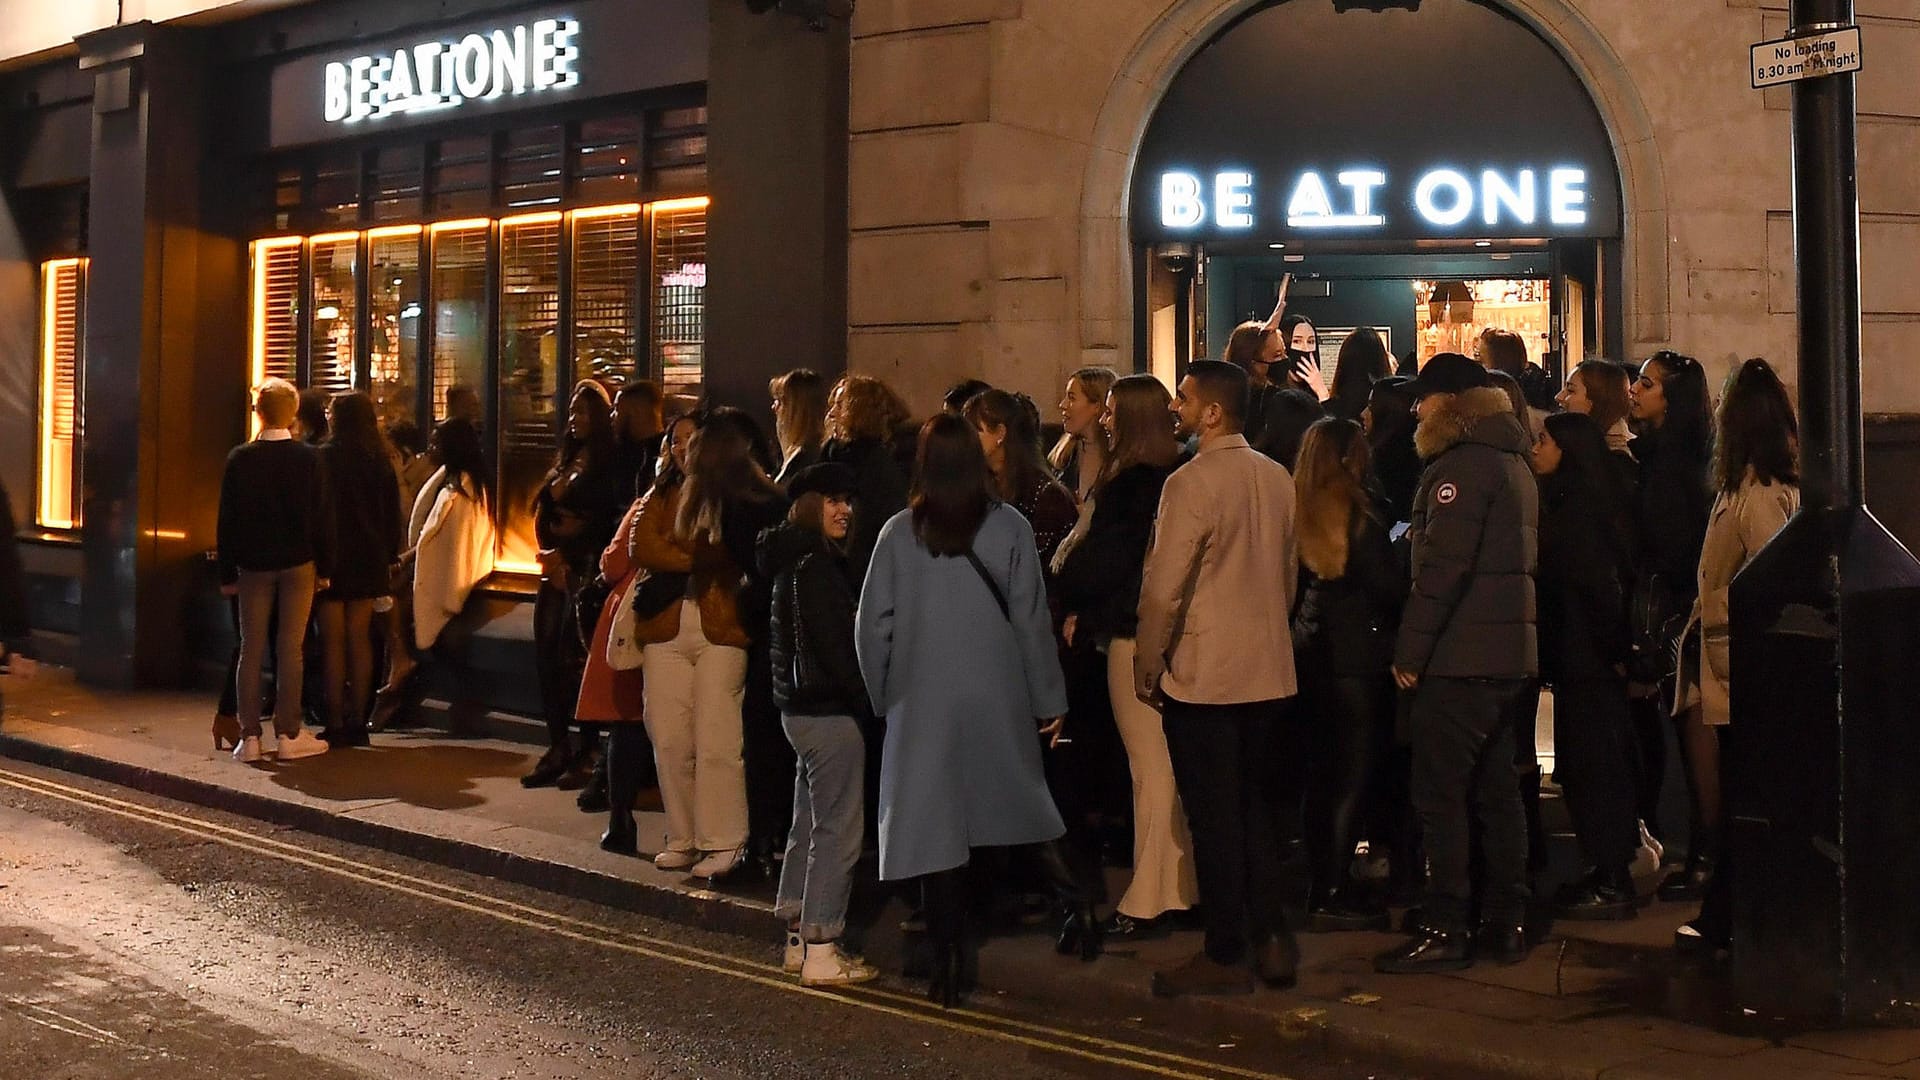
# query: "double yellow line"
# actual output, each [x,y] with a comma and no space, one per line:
[1134,1058]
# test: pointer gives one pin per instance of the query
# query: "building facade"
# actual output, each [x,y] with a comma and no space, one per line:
[452,206]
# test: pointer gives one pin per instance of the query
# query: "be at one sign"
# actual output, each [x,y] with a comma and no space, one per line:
[1807,57]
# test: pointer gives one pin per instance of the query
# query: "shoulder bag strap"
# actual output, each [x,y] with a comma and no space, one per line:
[999,598]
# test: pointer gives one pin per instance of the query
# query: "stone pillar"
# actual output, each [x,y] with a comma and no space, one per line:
[165,356]
[777,231]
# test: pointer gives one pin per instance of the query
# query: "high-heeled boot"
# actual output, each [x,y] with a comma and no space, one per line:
[623,787]
[952,972]
[1079,931]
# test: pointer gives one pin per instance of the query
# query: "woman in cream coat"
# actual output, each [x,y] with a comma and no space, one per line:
[1756,471]
[454,549]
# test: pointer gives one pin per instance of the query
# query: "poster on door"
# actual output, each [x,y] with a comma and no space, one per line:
[1332,337]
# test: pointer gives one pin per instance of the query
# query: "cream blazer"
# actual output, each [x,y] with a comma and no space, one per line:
[454,553]
[1217,595]
[1738,527]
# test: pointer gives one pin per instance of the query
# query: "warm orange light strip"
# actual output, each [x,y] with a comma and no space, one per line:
[393,230]
[50,273]
[699,202]
[462,224]
[543,217]
[510,566]
[606,211]
[257,367]
[332,238]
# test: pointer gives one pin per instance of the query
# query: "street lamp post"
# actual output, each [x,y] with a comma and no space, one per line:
[1821,755]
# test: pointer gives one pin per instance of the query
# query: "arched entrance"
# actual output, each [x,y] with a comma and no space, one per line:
[1462,129]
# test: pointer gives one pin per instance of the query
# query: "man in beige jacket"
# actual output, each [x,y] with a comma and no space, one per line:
[1216,654]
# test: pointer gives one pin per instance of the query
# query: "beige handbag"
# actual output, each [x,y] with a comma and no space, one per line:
[623,648]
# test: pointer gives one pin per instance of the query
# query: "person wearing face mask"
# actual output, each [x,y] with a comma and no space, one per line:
[1670,403]
[823,703]
[1081,454]
[1256,347]
[1302,344]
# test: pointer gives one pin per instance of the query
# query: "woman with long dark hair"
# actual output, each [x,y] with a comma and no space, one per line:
[957,650]
[1289,414]
[1099,593]
[799,420]
[1080,457]
[1302,343]
[617,698]
[695,622]
[363,498]
[1352,589]
[1363,361]
[1583,574]
[1756,473]
[1010,439]
[575,515]
[1670,404]
[1389,424]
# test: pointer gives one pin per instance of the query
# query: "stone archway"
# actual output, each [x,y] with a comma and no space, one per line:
[1186,26]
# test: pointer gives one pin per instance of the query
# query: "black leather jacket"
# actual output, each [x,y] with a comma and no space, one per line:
[816,671]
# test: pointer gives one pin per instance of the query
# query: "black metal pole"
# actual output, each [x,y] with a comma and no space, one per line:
[1826,227]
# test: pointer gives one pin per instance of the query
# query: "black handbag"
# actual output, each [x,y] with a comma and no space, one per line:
[588,603]
[1657,615]
[658,591]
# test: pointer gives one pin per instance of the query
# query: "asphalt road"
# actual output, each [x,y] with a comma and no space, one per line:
[144,938]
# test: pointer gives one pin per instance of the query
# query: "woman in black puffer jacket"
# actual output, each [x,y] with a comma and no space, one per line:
[1343,629]
[817,684]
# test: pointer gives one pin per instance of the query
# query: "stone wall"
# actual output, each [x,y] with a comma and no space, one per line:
[992,142]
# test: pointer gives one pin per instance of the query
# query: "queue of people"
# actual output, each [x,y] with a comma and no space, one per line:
[1312,622]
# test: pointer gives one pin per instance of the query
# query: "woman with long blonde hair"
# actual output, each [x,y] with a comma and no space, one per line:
[1099,589]
[1343,631]
[1081,454]
[799,420]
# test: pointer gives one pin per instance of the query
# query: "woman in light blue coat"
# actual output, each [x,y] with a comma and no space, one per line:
[956,647]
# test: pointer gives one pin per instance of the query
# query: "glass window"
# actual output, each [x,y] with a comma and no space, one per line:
[529,376]
[530,172]
[275,349]
[395,189]
[459,312]
[393,322]
[334,264]
[606,160]
[679,293]
[463,174]
[677,150]
[336,189]
[606,283]
[63,291]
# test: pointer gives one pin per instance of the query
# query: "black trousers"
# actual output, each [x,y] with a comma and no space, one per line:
[1350,720]
[1594,762]
[1716,905]
[629,765]
[1523,709]
[1463,775]
[560,660]
[767,756]
[1226,770]
[1652,727]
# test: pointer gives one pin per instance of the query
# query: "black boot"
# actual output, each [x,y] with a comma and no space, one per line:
[1689,884]
[1080,930]
[1600,896]
[1502,943]
[622,835]
[620,773]
[952,969]
[586,761]
[1429,949]
[593,799]
[552,765]
[1338,911]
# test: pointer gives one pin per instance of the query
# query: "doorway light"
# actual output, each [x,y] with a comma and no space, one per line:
[1277,247]
[1483,243]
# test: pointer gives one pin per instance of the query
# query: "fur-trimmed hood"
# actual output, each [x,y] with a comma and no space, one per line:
[1483,415]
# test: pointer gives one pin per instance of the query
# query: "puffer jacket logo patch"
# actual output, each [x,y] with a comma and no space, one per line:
[1446,494]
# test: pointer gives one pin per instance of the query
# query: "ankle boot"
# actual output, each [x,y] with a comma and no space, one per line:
[622,835]
[1080,931]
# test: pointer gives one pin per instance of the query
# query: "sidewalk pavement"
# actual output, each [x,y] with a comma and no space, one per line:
[1597,1000]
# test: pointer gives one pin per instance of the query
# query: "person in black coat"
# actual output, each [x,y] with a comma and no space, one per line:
[1584,566]
[822,700]
[363,496]
[1671,406]
[575,515]
[16,631]
[1344,623]
[1388,422]
[866,424]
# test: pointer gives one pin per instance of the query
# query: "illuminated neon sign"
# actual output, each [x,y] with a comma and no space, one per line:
[435,75]
[1443,198]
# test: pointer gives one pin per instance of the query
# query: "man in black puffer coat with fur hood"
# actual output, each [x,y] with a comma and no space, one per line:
[1466,649]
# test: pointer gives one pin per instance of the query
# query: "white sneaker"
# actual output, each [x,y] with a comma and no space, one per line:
[826,965]
[301,745]
[247,750]
[795,955]
[675,860]
[718,864]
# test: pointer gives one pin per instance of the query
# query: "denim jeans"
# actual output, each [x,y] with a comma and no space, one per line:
[274,605]
[829,804]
